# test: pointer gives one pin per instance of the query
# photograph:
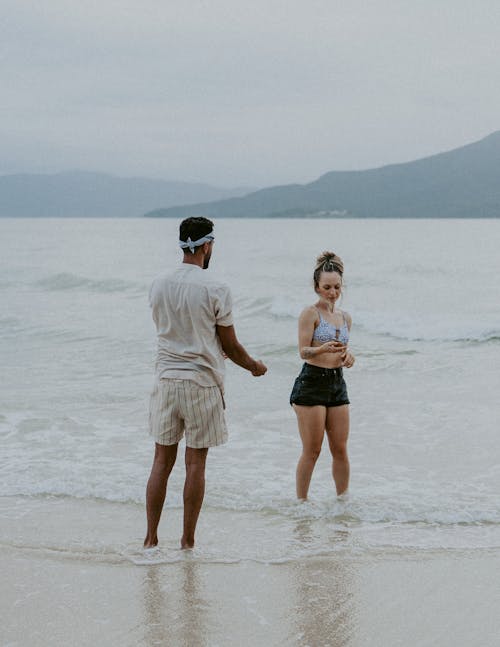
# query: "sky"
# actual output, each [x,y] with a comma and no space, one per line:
[234,93]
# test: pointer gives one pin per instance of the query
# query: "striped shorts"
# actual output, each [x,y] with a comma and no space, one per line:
[182,407]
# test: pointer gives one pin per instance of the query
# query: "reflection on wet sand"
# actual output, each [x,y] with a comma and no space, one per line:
[313,601]
[175,608]
[324,610]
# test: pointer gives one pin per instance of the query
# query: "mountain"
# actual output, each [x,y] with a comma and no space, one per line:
[84,194]
[461,183]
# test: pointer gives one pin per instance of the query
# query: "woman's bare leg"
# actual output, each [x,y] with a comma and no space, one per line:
[311,422]
[337,431]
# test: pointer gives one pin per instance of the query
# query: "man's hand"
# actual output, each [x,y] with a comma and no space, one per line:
[232,348]
[259,369]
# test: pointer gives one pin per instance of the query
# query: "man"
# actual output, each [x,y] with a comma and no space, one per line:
[194,322]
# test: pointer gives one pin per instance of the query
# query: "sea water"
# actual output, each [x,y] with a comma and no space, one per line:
[77,347]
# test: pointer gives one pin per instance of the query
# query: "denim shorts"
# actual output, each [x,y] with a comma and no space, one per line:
[315,385]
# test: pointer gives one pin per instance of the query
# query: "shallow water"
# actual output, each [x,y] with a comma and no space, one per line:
[77,347]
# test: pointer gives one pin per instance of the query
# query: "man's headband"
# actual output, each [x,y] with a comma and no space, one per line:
[191,244]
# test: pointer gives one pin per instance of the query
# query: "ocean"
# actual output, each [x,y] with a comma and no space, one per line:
[77,348]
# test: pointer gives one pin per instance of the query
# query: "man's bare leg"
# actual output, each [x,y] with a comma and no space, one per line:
[194,491]
[156,490]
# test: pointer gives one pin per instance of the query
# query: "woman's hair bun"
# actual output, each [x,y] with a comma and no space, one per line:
[329,262]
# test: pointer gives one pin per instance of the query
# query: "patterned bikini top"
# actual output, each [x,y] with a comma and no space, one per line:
[326,331]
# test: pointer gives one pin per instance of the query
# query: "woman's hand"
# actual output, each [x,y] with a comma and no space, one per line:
[333,346]
[348,359]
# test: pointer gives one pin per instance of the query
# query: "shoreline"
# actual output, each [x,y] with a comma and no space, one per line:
[73,575]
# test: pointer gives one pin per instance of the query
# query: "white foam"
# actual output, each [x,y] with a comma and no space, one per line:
[285,307]
[429,327]
[70,281]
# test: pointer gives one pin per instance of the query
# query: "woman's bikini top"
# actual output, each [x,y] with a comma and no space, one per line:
[326,331]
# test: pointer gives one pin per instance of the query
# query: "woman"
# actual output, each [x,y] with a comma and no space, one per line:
[319,395]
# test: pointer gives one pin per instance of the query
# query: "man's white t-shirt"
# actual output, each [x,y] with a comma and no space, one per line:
[186,305]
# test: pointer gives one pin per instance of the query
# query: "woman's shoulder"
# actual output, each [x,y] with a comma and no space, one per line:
[309,313]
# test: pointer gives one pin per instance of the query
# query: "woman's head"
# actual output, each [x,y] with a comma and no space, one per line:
[327,262]
[328,274]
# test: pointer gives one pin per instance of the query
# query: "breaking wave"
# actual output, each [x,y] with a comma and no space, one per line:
[68,281]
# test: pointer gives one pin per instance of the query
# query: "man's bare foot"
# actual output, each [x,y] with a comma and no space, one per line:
[186,545]
[150,543]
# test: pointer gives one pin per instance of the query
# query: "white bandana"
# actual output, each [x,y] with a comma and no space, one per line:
[191,244]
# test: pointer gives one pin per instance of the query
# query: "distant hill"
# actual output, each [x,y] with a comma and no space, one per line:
[84,194]
[462,183]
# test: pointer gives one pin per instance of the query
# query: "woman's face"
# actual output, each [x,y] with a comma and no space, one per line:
[329,286]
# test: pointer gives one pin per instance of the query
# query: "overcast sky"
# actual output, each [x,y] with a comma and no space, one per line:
[233,92]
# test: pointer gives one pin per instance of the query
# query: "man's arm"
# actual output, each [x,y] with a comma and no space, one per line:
[236,352]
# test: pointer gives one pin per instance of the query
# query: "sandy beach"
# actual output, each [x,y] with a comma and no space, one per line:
[82,579]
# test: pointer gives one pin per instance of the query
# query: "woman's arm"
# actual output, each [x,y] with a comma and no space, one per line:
[348,358]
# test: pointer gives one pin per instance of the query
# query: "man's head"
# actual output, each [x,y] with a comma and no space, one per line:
[196,239]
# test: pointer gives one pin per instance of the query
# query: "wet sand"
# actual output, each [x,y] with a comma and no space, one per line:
[73,573]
